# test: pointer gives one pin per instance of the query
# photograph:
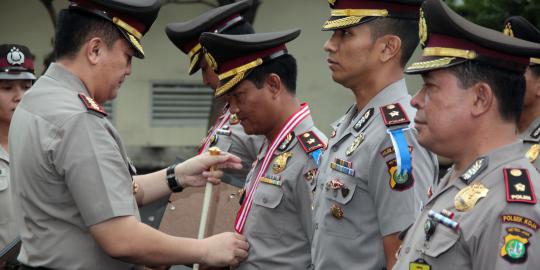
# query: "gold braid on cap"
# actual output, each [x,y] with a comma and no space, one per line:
[442,51]
[238,73]
[535,61]
[124,25]
[431,64]
[352,16]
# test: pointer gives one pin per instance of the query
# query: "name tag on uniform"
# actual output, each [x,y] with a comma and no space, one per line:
[419,264]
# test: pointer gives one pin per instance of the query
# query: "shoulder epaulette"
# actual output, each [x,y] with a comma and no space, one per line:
[518,186]
[310,141]
[92,106]
[364,119]
[393,115]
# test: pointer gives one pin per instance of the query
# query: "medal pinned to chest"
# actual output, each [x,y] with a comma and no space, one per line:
[280,162]
[467,198]
[355,143]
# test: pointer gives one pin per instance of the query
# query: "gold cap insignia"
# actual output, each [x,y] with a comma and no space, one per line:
[422,29]
[508,30]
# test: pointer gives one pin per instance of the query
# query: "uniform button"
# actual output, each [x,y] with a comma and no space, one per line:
[316,226]
[335,148]
[407,249]
[265,200]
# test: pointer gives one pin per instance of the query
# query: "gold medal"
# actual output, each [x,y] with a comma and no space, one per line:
[233,120]
[356,142]
[533,152]
[280,162]
[467,198]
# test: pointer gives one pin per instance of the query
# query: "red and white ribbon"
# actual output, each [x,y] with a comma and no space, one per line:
[221,121]
[291,123]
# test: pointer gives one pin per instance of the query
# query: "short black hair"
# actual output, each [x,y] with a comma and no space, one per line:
[535,70]
[77,27]
[405,29]
[508,86]
[284,66]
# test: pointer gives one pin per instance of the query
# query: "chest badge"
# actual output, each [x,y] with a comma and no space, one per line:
[280,162]
[467,198]
[532,153]
[356,142]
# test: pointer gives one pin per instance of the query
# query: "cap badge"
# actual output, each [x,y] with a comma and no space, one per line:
[332,2]
[422,29]
[508,30]
[15,57]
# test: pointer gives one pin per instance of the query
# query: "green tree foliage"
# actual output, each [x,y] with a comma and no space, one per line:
[492,13]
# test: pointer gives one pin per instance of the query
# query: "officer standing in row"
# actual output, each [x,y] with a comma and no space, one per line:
[484,214]
[225,133]
[529,122]
[258,80]
[76,193]
[374,177]
[16,77]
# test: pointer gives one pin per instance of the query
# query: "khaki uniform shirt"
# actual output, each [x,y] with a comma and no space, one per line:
[531,140]
[72,173]
[351,221]
[279,225]
[8,229]
[234,140]
[497,227]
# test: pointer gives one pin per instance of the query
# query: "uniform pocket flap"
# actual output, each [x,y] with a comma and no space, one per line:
[4,180]
[441,241]
[268,195]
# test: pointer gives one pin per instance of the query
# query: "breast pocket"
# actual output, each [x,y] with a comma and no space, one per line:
[340,213]
[265,214]
[442,240]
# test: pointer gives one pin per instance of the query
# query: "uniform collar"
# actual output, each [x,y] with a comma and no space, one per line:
[390,94]
[63,76]
[304,126]
[3,154]
[532,134]
[495,159]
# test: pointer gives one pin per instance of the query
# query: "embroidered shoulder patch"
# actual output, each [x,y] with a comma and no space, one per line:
[92,106]
[363,120]
[518,186]
[393,115]
[516,242]
[398,181]
[310,141]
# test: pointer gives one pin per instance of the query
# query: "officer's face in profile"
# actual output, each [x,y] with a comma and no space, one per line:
[350,55]
[114,65]
[209,77]
[11,92]
[532,90]
[251,105]
[444,112]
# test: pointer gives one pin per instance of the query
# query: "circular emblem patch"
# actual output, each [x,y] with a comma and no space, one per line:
[515,249]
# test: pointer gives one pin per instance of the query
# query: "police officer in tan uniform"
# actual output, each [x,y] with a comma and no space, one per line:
[227,135]
[76,191]
[258,79]
[224,133]
[16,77]
[374,177]
[484,214]
[529,123]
